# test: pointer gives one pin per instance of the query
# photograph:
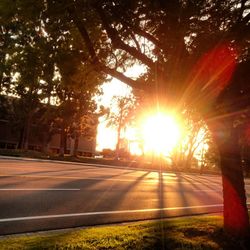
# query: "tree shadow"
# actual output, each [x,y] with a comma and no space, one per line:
[207,184]
[96,195]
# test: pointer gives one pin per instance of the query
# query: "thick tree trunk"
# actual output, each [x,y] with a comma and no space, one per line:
[236,220]
[246,157]
[247,168]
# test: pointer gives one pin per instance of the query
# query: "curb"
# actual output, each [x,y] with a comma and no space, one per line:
[14,158]
[72,229]
[101,165]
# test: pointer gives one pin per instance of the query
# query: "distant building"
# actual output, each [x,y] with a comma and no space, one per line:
[86,147]
[11,132]
[9,140]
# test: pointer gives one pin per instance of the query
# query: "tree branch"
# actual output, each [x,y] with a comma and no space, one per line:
[112,72]
[143,33]
[120,76]
[135,41]
[246,19]
[81,28]
[118,43]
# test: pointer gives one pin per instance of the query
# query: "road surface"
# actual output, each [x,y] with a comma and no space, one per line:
[37,195]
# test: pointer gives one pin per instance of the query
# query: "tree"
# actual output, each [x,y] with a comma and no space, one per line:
[195,134]
[76,88]
[86,127]
[46,64]
[5,107]
[22,63]
[183,68]
[122,116]
[245,149]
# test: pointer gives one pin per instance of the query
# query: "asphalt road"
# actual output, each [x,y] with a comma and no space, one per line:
[38,196]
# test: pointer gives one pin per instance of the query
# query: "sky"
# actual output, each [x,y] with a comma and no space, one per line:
[106,136]
[161,131]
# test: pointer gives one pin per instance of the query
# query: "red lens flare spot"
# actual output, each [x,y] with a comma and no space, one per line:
[212,73]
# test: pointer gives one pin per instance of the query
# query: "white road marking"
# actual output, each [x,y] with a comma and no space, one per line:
[156,180]
[107,212]
[110,212]
[77,178]
[40,189]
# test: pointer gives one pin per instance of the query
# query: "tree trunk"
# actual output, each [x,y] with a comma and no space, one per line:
[27,132]
[247,168]
[118,142]
[188,160]
[62,142]
[24,135]
[236,220]
[76,144]
[45,142]
[20,141]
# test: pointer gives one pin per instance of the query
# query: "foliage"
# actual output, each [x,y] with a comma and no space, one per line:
[106,152]
[122,115]
[195,137]
[41,61]
[5,107]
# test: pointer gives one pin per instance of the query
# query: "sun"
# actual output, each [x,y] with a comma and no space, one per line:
[161,133]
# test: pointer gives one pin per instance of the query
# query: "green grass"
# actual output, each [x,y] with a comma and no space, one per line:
[201,232]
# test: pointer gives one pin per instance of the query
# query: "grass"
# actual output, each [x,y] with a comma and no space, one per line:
[199,232]
[22,153]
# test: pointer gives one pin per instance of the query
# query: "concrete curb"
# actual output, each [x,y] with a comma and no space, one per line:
[14,158]
[72,229]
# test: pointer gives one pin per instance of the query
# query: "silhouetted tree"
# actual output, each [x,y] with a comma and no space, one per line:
[170,39]
[122,115]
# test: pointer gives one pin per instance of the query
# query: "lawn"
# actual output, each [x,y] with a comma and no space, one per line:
[199,232]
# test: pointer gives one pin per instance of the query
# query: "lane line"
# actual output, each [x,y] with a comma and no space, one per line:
[40,189]
[106,179]
[76,178]
[107,212]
